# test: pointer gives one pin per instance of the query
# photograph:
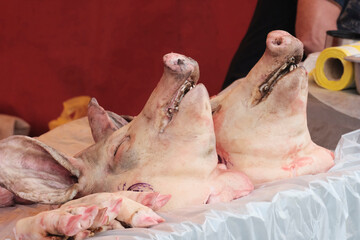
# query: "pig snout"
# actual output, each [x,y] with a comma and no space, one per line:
[177,62]
[181,64]
[281,43]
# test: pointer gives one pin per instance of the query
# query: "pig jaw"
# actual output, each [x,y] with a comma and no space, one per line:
[203,181]
[312,160]
[272,137]
[178,165]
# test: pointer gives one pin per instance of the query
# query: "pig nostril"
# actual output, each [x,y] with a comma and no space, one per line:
[277,41]
[180,61]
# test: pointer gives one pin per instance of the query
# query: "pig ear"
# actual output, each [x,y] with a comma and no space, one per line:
[119,121]
[37,172]
[103,123]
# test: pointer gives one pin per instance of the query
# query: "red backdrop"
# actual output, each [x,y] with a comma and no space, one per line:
[51,51]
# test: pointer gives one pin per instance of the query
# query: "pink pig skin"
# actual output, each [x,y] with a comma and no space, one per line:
[266,136]
[6,197]
[169,148]
[85,216]
[56,222]
[132,212]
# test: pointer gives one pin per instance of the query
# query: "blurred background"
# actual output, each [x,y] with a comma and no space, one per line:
[51,51]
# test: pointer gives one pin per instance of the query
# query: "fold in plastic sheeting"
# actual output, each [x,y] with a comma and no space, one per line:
[323,206]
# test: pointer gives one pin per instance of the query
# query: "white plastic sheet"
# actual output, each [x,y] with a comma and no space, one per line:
[323,206]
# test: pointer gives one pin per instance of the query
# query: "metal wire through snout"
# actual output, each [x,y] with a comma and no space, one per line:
[286,68]
[186,87]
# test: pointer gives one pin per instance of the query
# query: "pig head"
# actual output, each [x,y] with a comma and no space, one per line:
[168,148]
[260,120]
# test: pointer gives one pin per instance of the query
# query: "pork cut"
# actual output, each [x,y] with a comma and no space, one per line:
[260,120]
[94,213]
[168,148]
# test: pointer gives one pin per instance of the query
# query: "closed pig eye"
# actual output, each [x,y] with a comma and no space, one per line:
[126,138]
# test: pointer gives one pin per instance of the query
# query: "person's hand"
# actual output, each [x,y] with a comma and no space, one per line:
[313,19]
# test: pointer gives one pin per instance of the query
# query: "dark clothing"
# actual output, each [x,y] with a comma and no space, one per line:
[268,16]
[349,18]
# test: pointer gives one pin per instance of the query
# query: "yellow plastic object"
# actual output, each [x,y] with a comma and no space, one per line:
[332,71]
[74,108]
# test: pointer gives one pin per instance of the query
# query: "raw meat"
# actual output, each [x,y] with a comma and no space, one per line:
[91,214]
[260,120]
[168,148]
